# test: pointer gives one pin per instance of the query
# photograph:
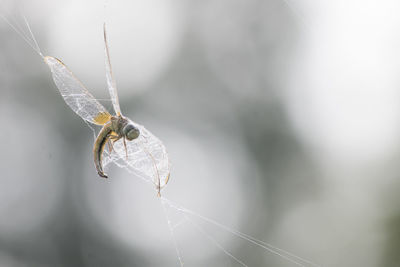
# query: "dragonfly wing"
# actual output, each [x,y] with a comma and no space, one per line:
[112,86]
[75,94]
[147,158]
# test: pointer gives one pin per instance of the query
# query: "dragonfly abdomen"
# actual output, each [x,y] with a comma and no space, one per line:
[98,148]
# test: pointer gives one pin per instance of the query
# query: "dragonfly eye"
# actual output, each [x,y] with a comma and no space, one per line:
[130,132]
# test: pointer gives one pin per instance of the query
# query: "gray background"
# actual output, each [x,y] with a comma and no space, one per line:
[281,120]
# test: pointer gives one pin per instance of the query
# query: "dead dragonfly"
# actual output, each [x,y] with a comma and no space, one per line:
[140,152]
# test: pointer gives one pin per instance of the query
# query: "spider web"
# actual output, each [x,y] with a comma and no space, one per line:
[148,160]
[146,157]
[187,216]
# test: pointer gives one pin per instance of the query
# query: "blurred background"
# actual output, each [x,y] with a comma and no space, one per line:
[281,119]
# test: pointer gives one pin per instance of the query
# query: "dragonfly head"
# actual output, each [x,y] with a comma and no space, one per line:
[130,131]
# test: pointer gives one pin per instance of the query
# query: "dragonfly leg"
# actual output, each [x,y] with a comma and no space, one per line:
[110,146]
[112,139]
[126,150]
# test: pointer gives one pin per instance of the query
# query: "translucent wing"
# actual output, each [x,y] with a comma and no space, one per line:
[75,94]
[147,158]
[112,86]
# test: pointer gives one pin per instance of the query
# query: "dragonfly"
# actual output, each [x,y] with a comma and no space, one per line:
[131,146]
